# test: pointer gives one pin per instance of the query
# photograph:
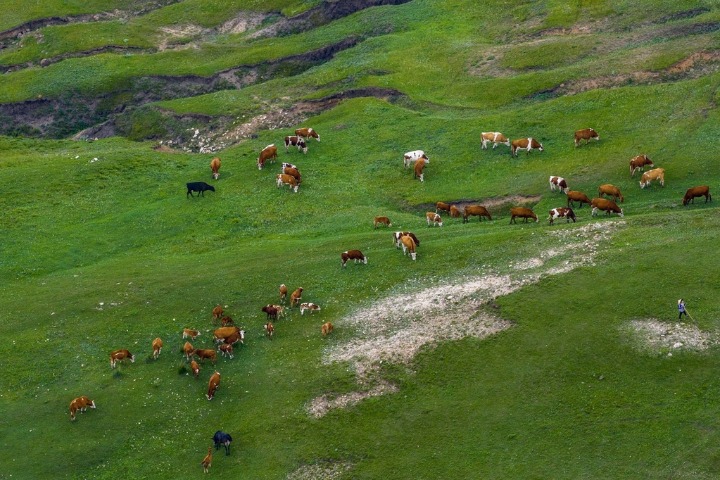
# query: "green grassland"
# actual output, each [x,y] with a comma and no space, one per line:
[101,249]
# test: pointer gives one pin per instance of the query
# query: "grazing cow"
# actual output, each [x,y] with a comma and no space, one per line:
[188,332]
[206,353]
[270,311]
[280,310]
[157,345]
[226,349]
[267,153]
[381,221]
[355,255]
[215,167]
[293,172]
[522,212]
[608,206]
[220,334]
[610,191]
[222,439]
[311,307]
[207,461]
[307,133]
[494,137]
[412,157]
[269,329]
[234,338]
[295,297]
[585,134]
[188,350]
[562,212]
[289,180]
[227,321]
[213,384]
[408,246]
[442,206]
[200,187]
[525,144]
[326,328]
[80,404]
[295,141]
[577,196]
[434,218]
[288,165]
[418,170]
[477,210]
[701,191]
[217,312]
[558,183]
[398,235]
[657,174]
[283,293]
[195,368]
[120,355]
[455,212]
[639,163]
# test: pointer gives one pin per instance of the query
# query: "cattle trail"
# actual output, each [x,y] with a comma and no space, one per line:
[395,328]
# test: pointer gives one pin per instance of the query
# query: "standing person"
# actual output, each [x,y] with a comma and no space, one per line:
[681,309]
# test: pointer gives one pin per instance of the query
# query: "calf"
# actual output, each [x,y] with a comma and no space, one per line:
[195,368]
[657,174]
[267,153]
[434,218]
[213,384]
[269,329]
[701,191]
[217,312]
[307,132]
[293,172]
[355,255]
[234,338]
[494,137]
[454,212]
[522,212]
[606,205]
[311,307]
[80,404]
[639,163]
[222,439]
[398,235]
[226,350]
[283,293]
[198,187]
[326,328]
[270,311]
[285,179]
[558,183]
[207,461]
[610,191]
[157,345]
[215,167]
[577,196]
[408,246]
[295,297]
[585,134]
[288,165]
[525,144]
[412,157]
[188,350]
[187,332]
[381,221]
[418,170]
[562,212]
[476,210]
[226,321]
[206,353]
[120,355]
[295,141]
[442,206]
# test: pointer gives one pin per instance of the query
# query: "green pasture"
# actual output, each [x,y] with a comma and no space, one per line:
[101,249]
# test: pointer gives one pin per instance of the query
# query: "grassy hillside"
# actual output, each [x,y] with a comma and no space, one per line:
[103,250]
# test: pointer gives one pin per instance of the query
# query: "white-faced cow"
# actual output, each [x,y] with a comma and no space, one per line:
[295,141]
[608,206]
[701,191]
[656,174]
[433,218]
[586,134]
[285,179]
[558,183]
[355,255]
[215,167]
[494,137]
[120,355]
[639,163]
[562,212]
[80,404]
[411,157]
[213,384]
[418,169]
[307,133]
[408,246]
[526,144]
[267,153]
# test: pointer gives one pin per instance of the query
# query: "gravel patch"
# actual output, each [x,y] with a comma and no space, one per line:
[661,337]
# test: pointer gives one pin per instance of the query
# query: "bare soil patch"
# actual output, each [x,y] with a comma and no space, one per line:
[664,337]
[321,471]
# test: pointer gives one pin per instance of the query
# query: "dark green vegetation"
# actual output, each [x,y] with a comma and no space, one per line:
[102,250]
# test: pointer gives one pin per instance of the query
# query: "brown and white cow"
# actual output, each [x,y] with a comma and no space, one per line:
[296,296]
[526,144]
[639,163]
[558,183]
[577,196]
[267,153]
[270,311]
[195,368]
[269,329]
[295,141]
[206,353]
[285,179]
[293,172]
[226,321]
[234,338]
[610,191]
[608,206]
[220,334]
[80,404]
[433,218]
[226,349]
[355,255]
[442,206]
[157,345]
[562,212]
[411,158]
[188,350]
[455,212]
[189,332]
[326,328]
[408,246]
[217,312]
[701,191]
[521,212]
[398,235]
[476,210]
[381,221]
[494,137]
[215,167]
[283,292]
[656,174]
[310,307]
[213,385]
[585,134]
[207,461]
[418,170]
[307,132]
[120,355]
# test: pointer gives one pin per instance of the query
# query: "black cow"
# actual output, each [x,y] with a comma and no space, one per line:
[198,187]
[224,439]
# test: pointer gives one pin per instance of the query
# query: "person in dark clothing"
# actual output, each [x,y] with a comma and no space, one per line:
[681,309]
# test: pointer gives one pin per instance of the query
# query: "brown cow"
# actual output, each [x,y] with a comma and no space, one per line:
[269,329]
[213,384]
[455,212]
[295,297]
[226,321]
[285,179]
[226,349]
[381,221]
[655,174]
[188,350]
[217,312]
[442,206]
[207,461]
[606,205]
[293,172]
[283,293]
[562,212]
[270,311]
[157,345]
[234,338]
[398,235]
[522,212]
[307,133]
[220,334]
[408,245]
[585,134]
[326,328]
[295,141]
[418,169]
[355,255]
[80,404]
[215,167]
[701,191]
[494,137]
[577,196]
[195,368]
[267,153]
[525,144]
[120,355]
[434,218]
[206,353]
[188,332]
[476,210]
[610,191]
[639,163]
